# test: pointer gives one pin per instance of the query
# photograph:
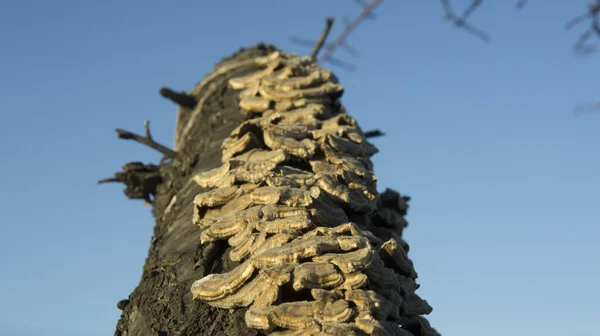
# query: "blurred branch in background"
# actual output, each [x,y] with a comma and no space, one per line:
[341,41]
[367,13]
[592,14]
[461,21]
[582,46]
[581,109]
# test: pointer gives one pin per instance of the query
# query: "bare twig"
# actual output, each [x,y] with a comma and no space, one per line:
[181,99]
[328,23]
[348,28]
[341,64]
[363,4]
[146,140]
[461,21]
[350,50]
[471,9]
[593,14]
[374,133]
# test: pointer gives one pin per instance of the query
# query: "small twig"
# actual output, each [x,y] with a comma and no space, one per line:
[350,50]
[475,31]
[580,18]
[146,140]
[147,130]
[461,22]
[341,64]
[181,99]
[374,133]
[363,5]
[592,13]
[474,5]
[328,23]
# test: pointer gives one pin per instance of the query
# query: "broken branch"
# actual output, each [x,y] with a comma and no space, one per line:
[374,133]
[109,180]
[180,99]
[141,180]
[146,140]
[328,23]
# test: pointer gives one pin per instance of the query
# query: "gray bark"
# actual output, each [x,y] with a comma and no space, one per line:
[162,304]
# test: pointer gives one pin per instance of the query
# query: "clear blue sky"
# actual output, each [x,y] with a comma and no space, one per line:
[505,217]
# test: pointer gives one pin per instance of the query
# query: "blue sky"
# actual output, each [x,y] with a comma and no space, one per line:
[503,177]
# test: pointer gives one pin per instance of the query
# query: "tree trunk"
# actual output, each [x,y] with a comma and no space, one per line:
[181,253]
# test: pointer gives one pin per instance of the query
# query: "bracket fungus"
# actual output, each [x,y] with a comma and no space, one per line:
[293,175]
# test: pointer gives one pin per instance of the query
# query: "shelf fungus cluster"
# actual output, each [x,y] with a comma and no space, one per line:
[294,199]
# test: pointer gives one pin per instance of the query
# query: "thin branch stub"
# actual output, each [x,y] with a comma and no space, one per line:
[374,133]
[108,180]
[180,99]
[322,39]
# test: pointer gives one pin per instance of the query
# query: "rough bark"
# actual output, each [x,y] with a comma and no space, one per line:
[162,303]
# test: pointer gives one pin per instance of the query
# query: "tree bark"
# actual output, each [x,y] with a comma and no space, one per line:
[162,303]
